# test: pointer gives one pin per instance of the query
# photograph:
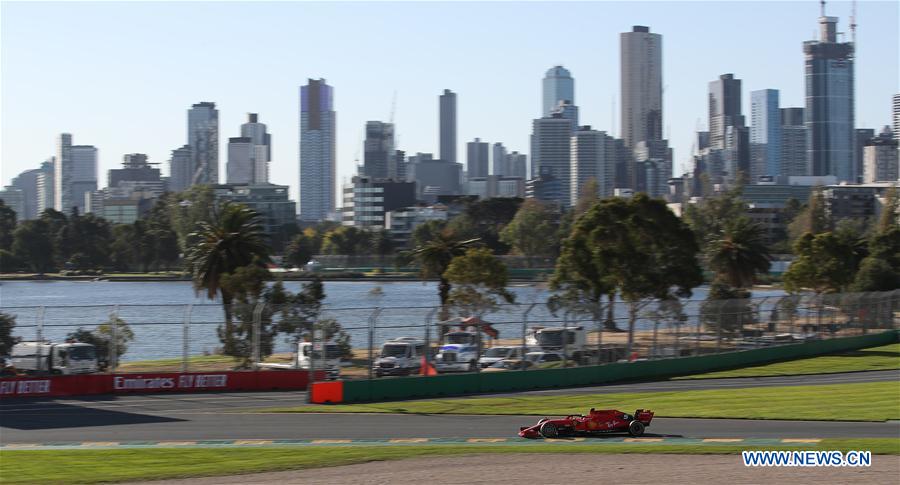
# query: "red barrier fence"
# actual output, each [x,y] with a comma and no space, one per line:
[80,385]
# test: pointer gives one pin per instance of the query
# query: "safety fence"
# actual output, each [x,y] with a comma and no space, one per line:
[377,343]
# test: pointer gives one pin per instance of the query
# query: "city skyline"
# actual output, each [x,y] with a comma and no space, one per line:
[507,120]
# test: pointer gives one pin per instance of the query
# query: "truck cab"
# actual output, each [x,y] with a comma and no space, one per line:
[552,338]
[50,358]
[456,357]
[330,362]
[400,357]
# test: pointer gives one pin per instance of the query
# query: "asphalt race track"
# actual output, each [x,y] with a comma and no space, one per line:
[211,416]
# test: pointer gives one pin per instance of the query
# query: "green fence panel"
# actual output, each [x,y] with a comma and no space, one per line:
[462,384]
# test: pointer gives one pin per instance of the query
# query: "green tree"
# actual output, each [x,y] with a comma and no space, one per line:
[122,253]
[427,231]
[479,280]
[303,247]
[7,324]
[7,225]
[727,308]
[233,239]
[890,211]
[188,208]
[739,253]
[484,219]
[434,258]
[33,243]
[9,262]
[708,217]
[812,218]
[247,285]
[301,314]
[84,241]
[637,248]
[346,240]
[823,264]
[531,232]
[162,237]
[880,270]
[588,196]
[102,338]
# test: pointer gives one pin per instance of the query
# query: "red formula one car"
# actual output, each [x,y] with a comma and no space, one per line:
[596,422]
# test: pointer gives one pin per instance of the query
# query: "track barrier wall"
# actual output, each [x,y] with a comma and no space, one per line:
[463,384]
[80,385]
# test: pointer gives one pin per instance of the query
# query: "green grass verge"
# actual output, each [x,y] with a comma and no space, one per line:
[93,466]
[886,357]
[196,363]
[876,401]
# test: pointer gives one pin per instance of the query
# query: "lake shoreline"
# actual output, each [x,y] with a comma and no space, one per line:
[282,276]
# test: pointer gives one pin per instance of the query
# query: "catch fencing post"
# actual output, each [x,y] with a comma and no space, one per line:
[427,349]
[654,354]
[257,328]
[114,339]
[697,342]
[40,336]
[372,318]
[565,339]
[525,332]
[719,331]
[186,338]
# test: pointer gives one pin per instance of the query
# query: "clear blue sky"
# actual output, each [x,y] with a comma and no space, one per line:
[122,75]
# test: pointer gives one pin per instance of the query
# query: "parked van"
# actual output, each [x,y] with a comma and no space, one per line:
[400,357]
[330,362]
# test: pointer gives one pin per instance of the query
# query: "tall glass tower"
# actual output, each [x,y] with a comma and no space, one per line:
[317,150]
[203,137]
[558,86]
[830,103]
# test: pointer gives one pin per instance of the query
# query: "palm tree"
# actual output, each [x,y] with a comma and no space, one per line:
[234,238]
[739,253]
[434,257]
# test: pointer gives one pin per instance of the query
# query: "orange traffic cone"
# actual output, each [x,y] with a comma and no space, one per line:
[427,369]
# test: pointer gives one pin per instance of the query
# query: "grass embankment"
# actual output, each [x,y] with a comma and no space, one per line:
[92,466]
[886,357]
[876,401]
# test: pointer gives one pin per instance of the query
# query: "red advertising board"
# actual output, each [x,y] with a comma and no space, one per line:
[79,385]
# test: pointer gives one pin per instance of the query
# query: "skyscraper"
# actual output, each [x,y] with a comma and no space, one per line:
[477,158]
[568,111]
[724,108]
[262,147]
[558,86]
[498,158]
[550,154]
[317,150]
[181,169]
[517,165]
[45,186]
[27,182]
[379,149]
[203,138]
[641,86]
[75,174]
[593,157]
[896,116]
[793,143]
[240,169]
[829,103]
[447,115]
[249,154]
[765,134]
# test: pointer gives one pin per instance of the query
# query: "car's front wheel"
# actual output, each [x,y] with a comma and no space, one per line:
[549,430]
[636,428]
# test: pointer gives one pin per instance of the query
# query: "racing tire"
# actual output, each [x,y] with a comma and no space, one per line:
[549,430]
[636,428]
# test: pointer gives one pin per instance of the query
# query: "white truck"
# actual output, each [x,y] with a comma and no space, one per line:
[400,357]
[574,346]
[50,358]
[502,352]
[456,358]
[330,362]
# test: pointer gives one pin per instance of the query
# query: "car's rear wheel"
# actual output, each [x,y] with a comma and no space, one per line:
[636,428]
[549,430]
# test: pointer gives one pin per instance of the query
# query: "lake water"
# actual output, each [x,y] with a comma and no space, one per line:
[155,311]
